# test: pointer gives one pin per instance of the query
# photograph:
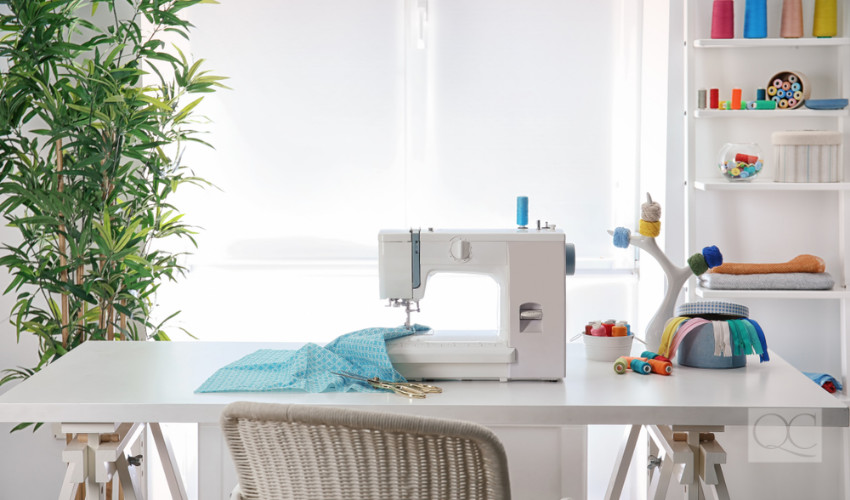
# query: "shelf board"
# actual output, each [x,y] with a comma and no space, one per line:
[710,43]
[768,185]
[802,112]
[835,293]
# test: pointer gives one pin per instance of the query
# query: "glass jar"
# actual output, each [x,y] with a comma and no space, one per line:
[740,161]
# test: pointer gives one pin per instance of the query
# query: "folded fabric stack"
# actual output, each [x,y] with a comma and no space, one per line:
[825,380]
[804,272]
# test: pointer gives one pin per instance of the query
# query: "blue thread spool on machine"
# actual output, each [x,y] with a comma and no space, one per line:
[522,212]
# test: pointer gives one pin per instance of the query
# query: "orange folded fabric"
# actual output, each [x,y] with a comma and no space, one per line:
[800,264]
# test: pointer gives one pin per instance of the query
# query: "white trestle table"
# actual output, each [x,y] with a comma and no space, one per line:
[106,387]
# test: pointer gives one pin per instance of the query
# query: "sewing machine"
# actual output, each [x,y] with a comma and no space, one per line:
[529,265]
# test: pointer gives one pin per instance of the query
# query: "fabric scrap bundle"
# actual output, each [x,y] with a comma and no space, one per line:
[804,272]
[825,380]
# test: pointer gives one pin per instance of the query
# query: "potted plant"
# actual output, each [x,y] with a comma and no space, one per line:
[95,114]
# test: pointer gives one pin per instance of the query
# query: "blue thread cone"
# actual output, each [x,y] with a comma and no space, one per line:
[755,19]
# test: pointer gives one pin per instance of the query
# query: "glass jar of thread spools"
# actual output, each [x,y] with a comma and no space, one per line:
[740,161]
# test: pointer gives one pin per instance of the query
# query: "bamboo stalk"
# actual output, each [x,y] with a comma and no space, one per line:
[82,312]
[110,324]
[123,321]
[63,258]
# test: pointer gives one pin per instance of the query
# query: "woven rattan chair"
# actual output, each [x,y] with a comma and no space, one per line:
[305,452]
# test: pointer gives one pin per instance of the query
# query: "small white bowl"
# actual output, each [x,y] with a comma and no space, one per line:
[607,348]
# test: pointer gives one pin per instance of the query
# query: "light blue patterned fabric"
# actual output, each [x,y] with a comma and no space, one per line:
[311,368]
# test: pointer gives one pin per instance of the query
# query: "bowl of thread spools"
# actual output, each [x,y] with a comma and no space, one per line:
[788,89]
[607,340]
[739,161]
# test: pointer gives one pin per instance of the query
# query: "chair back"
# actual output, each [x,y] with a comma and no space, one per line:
[303,452]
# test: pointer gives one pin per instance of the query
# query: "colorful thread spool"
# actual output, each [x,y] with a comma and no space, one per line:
[825,23]
[619,331]
[622,237]
[712,255]
[655,365]
[598,330]
[755,19]
[620,366]
[723,19]
[760,94]
[713,98]
[736,99]
[652,355]
[649,229]
[522,211]
[792,19]
[697,264]
[701,99]
[637,365]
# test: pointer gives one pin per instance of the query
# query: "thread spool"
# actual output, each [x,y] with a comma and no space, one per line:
[652,355]
[755,19]
[825,23]
[619,331]
[736,99]
[622,236]
[701,98]
[640,366]
[792,19]
[522,212]
[712,255]
[620,366]
[650,211]
[661,367]
[723,19]
[760,94]
[713,98]
[649,229]
[697,264]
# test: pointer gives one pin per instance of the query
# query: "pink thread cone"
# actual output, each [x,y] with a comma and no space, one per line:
[792,19]
[723,19]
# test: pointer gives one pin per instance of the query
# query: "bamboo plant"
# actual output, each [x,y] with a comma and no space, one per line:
[95,114]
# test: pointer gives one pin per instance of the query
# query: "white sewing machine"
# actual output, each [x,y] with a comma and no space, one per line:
[529,266]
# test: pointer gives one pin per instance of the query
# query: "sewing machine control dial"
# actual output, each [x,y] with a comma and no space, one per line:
[460,249]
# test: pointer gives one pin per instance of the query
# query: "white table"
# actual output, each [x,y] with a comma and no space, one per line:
[107,383]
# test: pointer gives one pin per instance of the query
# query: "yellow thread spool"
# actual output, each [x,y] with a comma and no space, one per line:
[649,229]
[825,24]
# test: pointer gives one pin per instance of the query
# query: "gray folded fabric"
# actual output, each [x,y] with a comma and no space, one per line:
[773,281]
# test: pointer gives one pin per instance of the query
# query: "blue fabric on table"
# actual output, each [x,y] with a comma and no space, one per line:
[822,378]
[311,368]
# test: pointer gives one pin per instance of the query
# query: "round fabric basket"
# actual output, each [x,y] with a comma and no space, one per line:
[697,349]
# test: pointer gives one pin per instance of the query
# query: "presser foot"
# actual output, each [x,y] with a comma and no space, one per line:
[409,307]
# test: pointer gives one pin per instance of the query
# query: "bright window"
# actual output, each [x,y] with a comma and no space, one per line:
[347,117]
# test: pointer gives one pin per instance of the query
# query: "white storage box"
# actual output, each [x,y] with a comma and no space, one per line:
[808,156]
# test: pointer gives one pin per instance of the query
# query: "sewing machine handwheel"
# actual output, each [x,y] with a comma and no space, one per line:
[570,258]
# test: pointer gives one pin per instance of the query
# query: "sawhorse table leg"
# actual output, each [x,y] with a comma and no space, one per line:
[92,464]
[695,462]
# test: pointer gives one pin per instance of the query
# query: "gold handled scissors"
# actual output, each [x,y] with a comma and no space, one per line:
[409,389]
